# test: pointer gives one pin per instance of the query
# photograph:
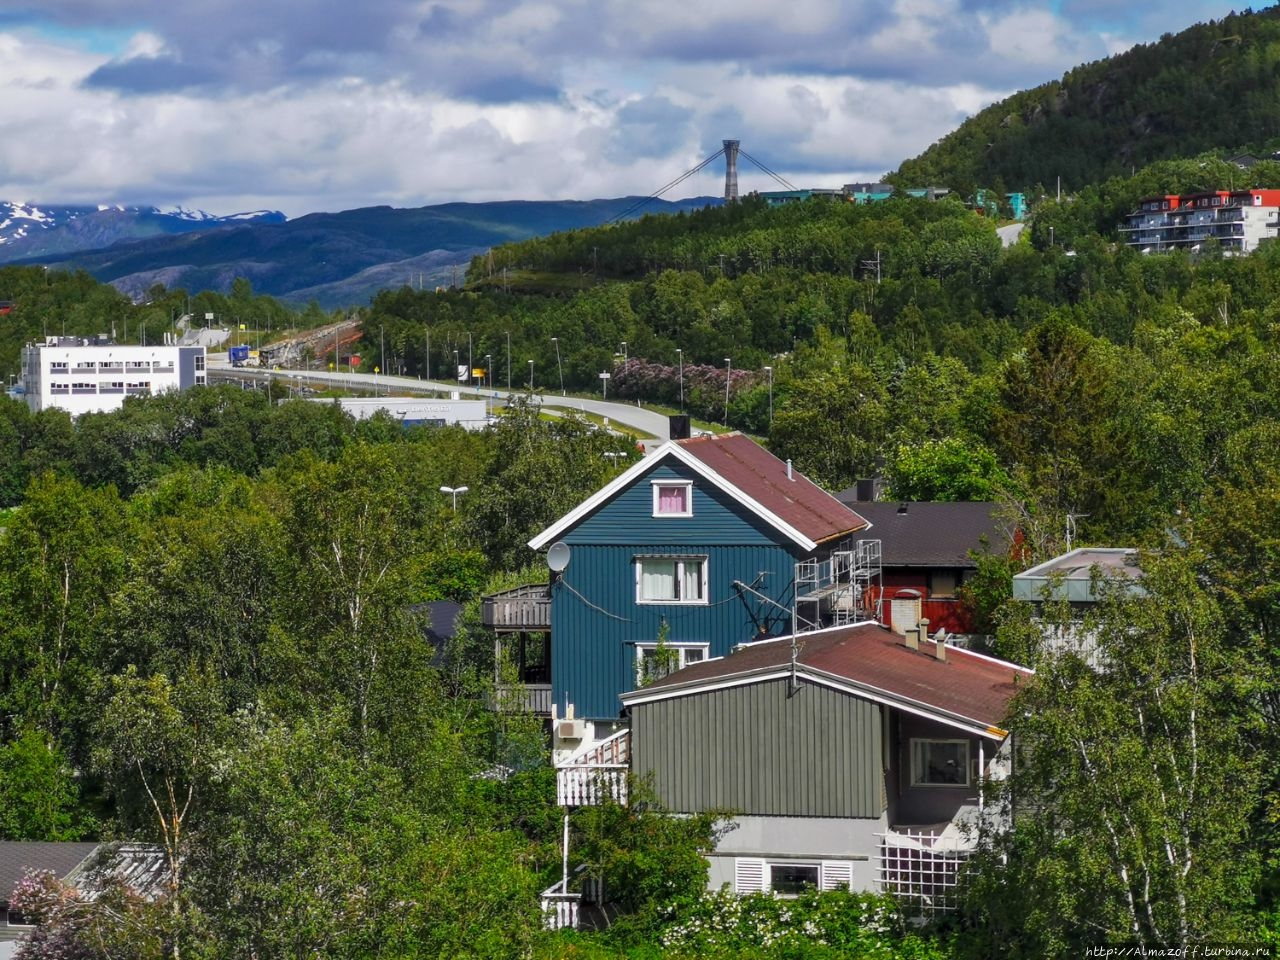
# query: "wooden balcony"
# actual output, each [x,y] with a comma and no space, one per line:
[534,698]
[596,774]
[523,608]
[560,907]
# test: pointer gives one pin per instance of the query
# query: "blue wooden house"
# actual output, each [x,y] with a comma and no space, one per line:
[690,552]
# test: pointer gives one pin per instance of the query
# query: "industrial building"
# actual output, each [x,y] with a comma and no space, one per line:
[95,374]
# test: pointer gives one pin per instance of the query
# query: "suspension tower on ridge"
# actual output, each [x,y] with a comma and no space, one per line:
[730,170]
[730,151]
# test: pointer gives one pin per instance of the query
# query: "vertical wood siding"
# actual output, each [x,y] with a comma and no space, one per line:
[755,750]
[628,517]
[595,620]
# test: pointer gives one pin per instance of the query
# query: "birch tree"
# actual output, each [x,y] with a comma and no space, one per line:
[1139,774]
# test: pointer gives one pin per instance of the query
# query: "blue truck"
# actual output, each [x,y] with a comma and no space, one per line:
[238,354]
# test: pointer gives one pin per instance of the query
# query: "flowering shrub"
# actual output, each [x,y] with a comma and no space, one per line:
[67,927]
[867,926]
[704,385]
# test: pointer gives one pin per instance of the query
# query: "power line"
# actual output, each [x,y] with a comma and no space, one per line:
[782,180]
[674,183]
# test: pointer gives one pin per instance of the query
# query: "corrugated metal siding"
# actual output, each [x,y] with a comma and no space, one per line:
[755,750]
[716,519]
[595,621]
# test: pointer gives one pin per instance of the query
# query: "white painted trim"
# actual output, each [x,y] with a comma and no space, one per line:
[651,462]
[820,678]
[657,487]
[680,645]
[679,560]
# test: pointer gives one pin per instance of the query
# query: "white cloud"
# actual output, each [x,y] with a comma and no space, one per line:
[312,105]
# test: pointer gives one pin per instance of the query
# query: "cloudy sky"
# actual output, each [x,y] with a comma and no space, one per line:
[305,105]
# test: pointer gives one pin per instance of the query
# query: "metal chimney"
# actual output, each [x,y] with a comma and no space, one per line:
[730,171]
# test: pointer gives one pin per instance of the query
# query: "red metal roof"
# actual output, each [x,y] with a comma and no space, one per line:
[763,477]
[965,685]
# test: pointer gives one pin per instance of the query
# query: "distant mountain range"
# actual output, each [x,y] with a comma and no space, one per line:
[337,259]
[30,230]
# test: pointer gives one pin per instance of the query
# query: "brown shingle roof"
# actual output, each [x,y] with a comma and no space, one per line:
[872,658]
[763,477]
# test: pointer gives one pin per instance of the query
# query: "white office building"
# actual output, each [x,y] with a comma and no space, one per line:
[94,375]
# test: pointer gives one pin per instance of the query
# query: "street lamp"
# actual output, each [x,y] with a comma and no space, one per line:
[454,491]
[556,341]
[455,366]
[624,351]
[680,357]
[531,376]
[728,373]
[488,368]
[769,371]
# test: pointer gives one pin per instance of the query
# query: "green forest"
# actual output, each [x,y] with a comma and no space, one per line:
[1214,86]
[216,640]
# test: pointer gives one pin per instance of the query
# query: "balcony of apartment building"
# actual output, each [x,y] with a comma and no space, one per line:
[521,620]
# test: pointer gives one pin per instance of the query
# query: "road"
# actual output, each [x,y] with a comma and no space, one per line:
[633,417]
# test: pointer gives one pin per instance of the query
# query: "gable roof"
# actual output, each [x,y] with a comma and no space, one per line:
[797,507]
[968,691]
[926,534]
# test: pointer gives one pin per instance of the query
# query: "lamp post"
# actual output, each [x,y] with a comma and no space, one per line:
[624,351]
[680,358]
[556,341]
[508,359]
[428,353]
[769,371]
[455,366]
[531,376]
[728,373]
[471,370]
[488,368]
[454,491]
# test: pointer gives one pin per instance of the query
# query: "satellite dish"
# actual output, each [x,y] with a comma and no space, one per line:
[558,556]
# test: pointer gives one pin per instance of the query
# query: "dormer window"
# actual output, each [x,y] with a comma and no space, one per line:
[673,498]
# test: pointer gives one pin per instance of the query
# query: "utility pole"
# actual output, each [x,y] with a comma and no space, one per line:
[868,264]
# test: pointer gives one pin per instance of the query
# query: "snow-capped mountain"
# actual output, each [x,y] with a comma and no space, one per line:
[30,230]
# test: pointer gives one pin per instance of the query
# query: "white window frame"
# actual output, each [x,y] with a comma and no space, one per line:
[683,649]
[659,485]
[916,771]
[679,562]
[755,875]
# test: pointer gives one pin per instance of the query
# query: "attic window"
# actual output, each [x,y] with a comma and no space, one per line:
[673,498]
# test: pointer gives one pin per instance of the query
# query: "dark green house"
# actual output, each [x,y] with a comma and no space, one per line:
[853,755]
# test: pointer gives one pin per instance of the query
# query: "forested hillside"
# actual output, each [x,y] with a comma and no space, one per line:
[214,596]
[1214,86]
